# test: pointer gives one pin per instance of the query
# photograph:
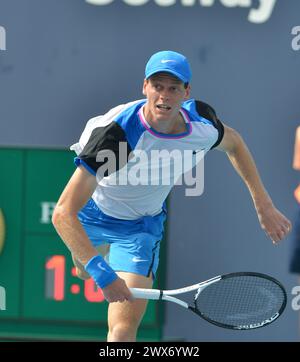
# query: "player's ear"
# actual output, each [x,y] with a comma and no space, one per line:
[187,92]
[144,86]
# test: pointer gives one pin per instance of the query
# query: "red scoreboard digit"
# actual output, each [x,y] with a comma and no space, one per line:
[55,282]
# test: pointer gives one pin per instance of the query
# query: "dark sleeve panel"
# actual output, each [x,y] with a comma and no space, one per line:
[105,138]
[206,111]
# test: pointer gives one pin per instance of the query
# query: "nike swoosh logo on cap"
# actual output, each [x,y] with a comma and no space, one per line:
[167,60]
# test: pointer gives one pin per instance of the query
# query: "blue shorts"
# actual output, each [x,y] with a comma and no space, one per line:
[134,244]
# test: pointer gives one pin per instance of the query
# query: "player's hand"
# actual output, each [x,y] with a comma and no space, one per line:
[117,291]
[297,194]
[274,223]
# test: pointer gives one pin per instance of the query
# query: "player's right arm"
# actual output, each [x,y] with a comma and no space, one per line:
[65,220]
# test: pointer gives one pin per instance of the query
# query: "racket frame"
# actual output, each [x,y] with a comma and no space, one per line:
[168,295]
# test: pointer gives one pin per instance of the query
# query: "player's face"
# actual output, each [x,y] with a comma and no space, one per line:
[165,95]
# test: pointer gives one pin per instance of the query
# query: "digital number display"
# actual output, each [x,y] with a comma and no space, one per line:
[55,286]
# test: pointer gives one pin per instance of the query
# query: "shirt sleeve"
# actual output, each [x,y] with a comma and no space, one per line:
[104,142]
[206,111]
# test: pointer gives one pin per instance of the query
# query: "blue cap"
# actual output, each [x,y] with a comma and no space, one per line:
[170,62]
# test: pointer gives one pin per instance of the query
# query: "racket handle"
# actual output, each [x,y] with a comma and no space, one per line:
[141,293]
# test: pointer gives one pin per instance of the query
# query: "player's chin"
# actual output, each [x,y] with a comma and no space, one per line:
[163,113]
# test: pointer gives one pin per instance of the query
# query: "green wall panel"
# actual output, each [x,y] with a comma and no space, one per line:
[11,204]
[47,173]
[44,300]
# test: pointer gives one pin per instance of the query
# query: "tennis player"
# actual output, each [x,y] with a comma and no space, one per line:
[98,209]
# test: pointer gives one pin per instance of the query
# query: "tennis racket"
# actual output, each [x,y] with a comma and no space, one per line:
[238,301]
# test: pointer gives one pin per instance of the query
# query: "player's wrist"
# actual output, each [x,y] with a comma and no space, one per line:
[100,271]
[262,201]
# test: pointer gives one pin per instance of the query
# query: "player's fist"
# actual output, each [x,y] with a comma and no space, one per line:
[117,291]
[274,223]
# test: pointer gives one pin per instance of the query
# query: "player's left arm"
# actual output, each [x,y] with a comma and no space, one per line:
[272,221]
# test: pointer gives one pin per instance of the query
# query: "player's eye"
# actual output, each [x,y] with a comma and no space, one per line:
[157,86]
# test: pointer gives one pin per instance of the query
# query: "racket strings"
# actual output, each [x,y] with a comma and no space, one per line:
[243,302]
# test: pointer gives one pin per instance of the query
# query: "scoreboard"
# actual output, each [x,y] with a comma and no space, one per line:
[40,296]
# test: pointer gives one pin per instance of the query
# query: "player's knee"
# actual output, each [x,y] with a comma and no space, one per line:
[122,332]
[82,274]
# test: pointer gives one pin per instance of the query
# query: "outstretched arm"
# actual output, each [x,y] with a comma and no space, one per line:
[272,221]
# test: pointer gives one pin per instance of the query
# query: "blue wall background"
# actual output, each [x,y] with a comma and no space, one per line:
[67,61]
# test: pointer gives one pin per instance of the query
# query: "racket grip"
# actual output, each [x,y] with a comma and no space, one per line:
[140,293]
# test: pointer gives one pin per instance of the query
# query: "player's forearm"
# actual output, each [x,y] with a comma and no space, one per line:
[75,238]
[72,233]
[244,164]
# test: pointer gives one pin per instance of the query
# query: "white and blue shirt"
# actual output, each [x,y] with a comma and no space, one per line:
[139,183]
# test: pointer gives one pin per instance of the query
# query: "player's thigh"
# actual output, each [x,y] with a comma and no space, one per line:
[129,313]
